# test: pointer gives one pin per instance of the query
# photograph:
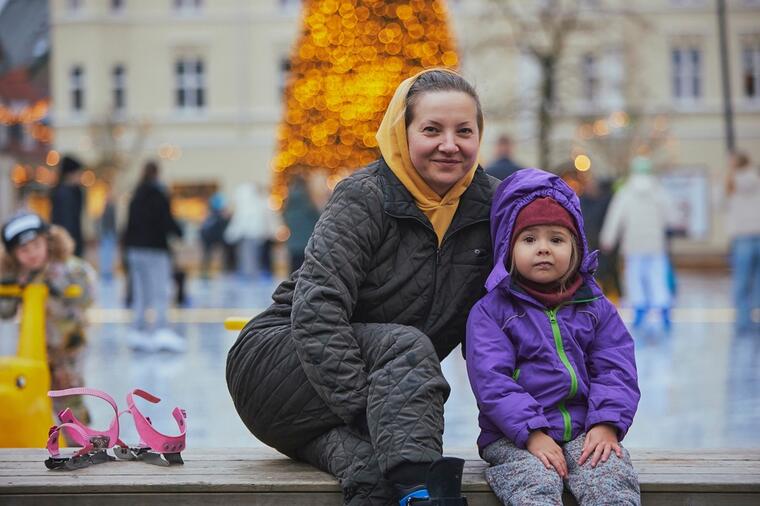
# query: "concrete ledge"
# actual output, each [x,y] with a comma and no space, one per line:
[264,477]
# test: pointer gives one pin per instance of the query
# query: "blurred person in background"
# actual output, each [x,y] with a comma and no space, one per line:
[743,227]
[595,199]
[35,252]
[503,166]
[251,224]
[274,221]
[638,219]
[149,225]
[300,215]
[108,237]
[67,201]
[212,230]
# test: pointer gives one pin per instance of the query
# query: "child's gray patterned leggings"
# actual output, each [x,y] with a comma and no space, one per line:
[519,478]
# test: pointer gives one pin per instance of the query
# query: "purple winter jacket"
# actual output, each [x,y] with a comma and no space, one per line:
[562,369]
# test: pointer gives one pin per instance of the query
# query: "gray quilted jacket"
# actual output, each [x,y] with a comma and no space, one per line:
[373,258]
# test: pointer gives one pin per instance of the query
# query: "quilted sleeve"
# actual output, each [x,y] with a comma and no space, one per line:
[491,367]
[614,391]
[336,261]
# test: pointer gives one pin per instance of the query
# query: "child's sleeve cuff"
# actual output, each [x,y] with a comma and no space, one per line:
[535,423]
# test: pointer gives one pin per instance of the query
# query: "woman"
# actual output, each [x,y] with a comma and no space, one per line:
[146,240]
[343,370]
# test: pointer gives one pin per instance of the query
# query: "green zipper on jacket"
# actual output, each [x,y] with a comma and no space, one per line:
[552,314]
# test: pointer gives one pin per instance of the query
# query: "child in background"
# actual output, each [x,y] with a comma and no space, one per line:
[35,252]
[550,361]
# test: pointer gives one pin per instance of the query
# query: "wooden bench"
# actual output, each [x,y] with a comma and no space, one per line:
[264,477]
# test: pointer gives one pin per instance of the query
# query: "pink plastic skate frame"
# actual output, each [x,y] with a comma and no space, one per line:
[94,442]
[149,436]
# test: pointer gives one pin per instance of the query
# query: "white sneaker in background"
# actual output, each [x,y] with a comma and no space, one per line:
[168,340]
[141,341]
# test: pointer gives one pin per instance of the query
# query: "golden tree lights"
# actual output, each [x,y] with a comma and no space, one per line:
[31,117]
[349,59]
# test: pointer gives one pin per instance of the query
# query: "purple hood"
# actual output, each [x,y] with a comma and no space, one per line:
[562,369]
[516,192]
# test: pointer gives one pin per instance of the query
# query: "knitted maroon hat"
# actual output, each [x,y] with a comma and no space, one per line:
[542,211]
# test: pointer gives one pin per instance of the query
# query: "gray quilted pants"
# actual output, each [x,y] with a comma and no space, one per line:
[404,417]
[519,478]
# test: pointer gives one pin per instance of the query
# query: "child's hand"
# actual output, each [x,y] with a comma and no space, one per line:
[600,441]
[547,451]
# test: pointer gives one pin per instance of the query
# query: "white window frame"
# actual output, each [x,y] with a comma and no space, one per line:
[187,7]
[750,66]
[591,81]
[284,68]
[117,9]
[77,88]
[687,73]
[119,88]
[190,92]
[73,6]
[289,5]
[4,133]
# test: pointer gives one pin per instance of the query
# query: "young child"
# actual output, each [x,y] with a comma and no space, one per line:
[35,252]
[549,360]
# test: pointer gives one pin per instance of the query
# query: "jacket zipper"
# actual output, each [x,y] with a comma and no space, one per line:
[552,314]
[438,261]
[435,280]
[439,248]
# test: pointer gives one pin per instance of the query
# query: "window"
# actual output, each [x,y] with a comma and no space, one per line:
[190,83]
[689,3]
[283,75]
[686,64]
[118,83]
[28,143]
[76,86]
[751,68]
[188,6]
[73,6]
[590,77]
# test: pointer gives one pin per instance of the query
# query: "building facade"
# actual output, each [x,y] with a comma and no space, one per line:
[197,84]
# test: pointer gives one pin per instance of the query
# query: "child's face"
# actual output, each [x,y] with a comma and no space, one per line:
[33,254]
[542,253]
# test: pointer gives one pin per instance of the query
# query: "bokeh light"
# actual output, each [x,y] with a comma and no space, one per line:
[582,163]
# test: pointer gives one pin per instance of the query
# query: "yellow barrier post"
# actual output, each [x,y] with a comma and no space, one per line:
[26,413]
[235,323]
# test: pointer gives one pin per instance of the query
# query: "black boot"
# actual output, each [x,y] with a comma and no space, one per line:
[443,486]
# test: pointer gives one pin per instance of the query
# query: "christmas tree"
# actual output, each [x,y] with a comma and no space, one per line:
[349,59]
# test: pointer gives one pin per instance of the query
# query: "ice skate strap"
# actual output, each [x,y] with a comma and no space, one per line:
[85,433]
[148,434]
[54,436]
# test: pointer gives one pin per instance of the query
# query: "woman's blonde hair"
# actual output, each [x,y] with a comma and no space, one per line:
[575,262]
[60,248]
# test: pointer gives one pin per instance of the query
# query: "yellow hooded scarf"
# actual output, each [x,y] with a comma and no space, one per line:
[392,140]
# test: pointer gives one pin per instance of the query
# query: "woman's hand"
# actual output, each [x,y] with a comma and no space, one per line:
[600,441]
[547,451]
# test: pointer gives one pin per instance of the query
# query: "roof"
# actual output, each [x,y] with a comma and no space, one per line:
[24,32]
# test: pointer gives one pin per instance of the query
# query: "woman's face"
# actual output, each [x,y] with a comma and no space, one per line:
[443,138]
[33,255]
